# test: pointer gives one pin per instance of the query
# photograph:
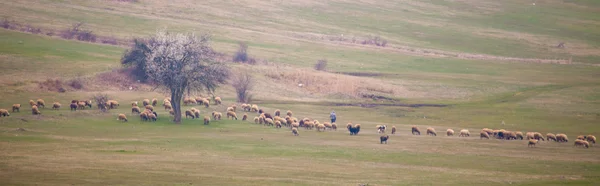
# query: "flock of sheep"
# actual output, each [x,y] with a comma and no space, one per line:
[278,121]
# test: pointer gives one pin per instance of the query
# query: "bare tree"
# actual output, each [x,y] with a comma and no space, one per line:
[243,84]
[180,62]
[101,100]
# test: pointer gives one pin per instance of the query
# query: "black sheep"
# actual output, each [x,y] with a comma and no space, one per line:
[384,139]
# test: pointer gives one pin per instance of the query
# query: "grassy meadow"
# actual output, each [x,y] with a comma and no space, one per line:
[87,147]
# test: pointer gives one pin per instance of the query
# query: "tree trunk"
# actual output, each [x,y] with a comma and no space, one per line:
[176,103]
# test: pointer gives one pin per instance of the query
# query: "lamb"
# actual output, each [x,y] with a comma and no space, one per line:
[31,103]
[334,126]
[232,115]
[256,120]
[383,139]
[464,133]
[122,117]
[450,132]
[190,114]
[289,113]
[135,109]
[561,138]
[484,134]
[245,117]
[393,129]
[217,100]
[154,102]
[550,136]
[56,105]
[134,104]
[73,106]
[4,113]
[206,120]
[431,131]
[35,110]
[538,136]
[277,112]
[16,107]
[416,130]
[295,131]
[532,142]
[582,143]
[591,138]
[41,103]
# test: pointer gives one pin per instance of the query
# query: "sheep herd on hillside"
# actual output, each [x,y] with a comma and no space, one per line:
[278,120]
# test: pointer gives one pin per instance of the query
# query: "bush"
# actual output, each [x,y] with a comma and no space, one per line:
[51,85]
[135,58]
[241,56]
[101,100]
[243,83]
[109,40]
[321,65]
[76,83]
[76,32]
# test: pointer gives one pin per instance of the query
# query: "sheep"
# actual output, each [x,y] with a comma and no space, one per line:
[289,113]
[35,110]
[245,107]
[348,126]
[581,137]
[4,113]
[81,105]
[168,106]
[206,102]
[508,135]
[199,100]
[327,125]
[112,104]
[260,111]
[334,126]
[484,134]
[354,129]
[538,136]
[561,138]
[254,108]
[519,135]
[277,112]
[269,122]
[256,120]
[450,132]
[489,131]
[31,103]
[381,128]
[532,142]
[320,127]
[73,106]
[393,129]
[217,100]
[134,104]
[135,109]
[245,117]
[591,138]
[295,125]
[144,116]
[234,107]
[196,113]
[122,117]
[56,105]
[218,116]
[261,120]
[152,116]
[41,103]
[190,114]
[267,115]
[309,125]
[582,143]
[464,133]
[383,139]
[277,124]
[154,102]
[150,107]
[206,120]
[146,102]
[550,136]
[16,107]
[295,131]
[229,109]
[431,131]
[416,130]
[529,135]
[232,115]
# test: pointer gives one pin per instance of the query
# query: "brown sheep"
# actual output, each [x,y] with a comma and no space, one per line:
[289,113]
[122,117]
[245,117]
[582,143]
[538,136]
[31,102]
[199,100]
[450,132]
[489,131]
[41,103]
[196,113]
[206,120]
[484,134]
[4,113]
[229,109]
[580,137]
[320,127]
[254,108]
[218,116]
[217,100]
[295,131]
[416,130]
[144,116]
[529,135]
[168,106]
[295,125]
[562,138]
[145,102]
[383,139]
[16,107]
[267,115]
[532,142]
[112,104]
[269,122]
[134,104]
[334,126]
[245,107]
[151,116]
[35,110]
[550,136]
[277,112]
[519,135]
[73,106]
[135,109]
[81,105]
[327,125]
[277,124]
[190,114]
[591,138]
[154,102]
[206,102]
[256,120]
[464,133]
[150,107]
[56,105]
[431,131]
[508,135]
[232,115]
[234,107]
[393,129]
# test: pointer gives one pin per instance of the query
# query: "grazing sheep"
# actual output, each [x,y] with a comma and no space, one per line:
[532,142]
[354,129]
[217,100]
[154,102]
[529,135]
[245,107]
[81,105]
[41,103]
[538,136]
[489,131]
[112,104]
[199,100]
[245,117]
[309,125]
[381,128]
[4,113]
[135,109]
[152,116]
[229,109]
[218,116]
[267,115]
[206,102]
[393,129]
[196,113]
[144,116]
[580,137]
[31,102]
[484,134]
[334,126]
[190,114]
[269,122]
[320,127]
[73,106]
[416,130]
[450,132]
[383,139]
[147,102]
[150,107]
[234,107]
[519,135]
[206,120]
[122,117]
[295,131]
[16,107]
[168,106]
[591,138]
[464,133]
[327,125]
[550,136]
[134,104]
[431,131]
[289,113]
[254,108]
[508,135]
[35,110]
[256,120]
[582,143]
[561,138]
[277,124]
[277,112]
[56,105]
[295,125]
[232,115]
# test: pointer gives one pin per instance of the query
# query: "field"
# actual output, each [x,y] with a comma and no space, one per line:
[447,64]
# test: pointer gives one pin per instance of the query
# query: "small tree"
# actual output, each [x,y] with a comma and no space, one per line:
[136,58]
[180,62]
[242,54]
[243,84]
[101,100]
[321,64]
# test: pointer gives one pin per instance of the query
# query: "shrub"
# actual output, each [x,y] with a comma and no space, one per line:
[321,64]
[243,84]
[76,32]
[76,83]
[135,58]
[51,85]
[241,56]
[100,100]
[109,40]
